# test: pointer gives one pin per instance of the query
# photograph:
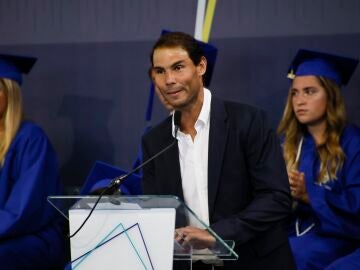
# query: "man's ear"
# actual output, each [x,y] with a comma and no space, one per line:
[151,74]
[202,66]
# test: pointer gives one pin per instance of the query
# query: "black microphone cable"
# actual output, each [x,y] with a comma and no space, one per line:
[117,181]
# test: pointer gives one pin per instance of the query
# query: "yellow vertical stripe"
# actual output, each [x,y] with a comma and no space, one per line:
[210,10]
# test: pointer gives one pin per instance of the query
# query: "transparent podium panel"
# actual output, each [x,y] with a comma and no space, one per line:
[134,232]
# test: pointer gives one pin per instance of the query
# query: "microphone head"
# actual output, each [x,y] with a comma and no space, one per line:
[177,118]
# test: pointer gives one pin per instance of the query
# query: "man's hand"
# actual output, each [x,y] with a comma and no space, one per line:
[197,238]
[297,186]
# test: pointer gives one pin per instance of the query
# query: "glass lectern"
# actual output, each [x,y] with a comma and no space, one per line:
[134,232]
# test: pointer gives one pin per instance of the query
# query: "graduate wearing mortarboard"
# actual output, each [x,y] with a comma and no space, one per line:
[322,153]
[30,236]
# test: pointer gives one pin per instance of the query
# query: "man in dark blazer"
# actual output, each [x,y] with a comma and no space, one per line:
[248,196]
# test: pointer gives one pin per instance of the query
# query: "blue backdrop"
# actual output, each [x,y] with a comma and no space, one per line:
[89,89]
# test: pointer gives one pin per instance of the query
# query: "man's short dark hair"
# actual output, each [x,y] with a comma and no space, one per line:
[182,40]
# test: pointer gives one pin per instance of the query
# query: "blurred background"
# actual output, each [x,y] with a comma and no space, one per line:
[89,89]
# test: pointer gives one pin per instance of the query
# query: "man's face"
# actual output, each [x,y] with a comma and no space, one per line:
[176,76]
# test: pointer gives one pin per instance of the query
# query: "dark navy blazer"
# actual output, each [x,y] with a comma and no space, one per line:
[248,191]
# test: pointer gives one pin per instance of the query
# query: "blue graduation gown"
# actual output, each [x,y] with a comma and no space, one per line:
[348,262]
[30,230]
[101,175]
[334,207]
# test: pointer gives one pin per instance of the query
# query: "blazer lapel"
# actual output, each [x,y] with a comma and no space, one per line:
[170,160]
[174,172]
[217,141]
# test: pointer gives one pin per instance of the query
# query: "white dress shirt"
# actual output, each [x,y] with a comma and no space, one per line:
[193,157]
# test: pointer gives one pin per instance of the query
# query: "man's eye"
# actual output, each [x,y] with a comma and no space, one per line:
[178,67]
[159,71]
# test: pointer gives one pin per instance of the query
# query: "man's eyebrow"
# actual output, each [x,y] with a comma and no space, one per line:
[177,63]
[156,67]
[172,65]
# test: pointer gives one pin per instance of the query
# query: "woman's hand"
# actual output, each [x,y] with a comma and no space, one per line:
[298,186]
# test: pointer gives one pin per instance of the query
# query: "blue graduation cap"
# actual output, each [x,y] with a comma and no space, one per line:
[210,53]
[12,66]
[101,175]
[334,67]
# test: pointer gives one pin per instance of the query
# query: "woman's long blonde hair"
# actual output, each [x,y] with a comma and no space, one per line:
[12,117]
[330,152]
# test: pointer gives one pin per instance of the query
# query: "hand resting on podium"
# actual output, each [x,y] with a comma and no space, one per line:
[195,237]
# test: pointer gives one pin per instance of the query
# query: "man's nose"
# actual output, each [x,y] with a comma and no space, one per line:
[169,77]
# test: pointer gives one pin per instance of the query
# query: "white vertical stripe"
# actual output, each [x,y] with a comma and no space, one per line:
[199,23]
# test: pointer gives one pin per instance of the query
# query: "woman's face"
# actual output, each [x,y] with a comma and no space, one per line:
[309,100]
[3,101]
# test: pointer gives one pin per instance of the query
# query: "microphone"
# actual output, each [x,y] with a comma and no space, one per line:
[177,121]
[117,181]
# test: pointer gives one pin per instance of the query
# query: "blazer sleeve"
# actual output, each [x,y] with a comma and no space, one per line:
[148,172]
[270,201]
